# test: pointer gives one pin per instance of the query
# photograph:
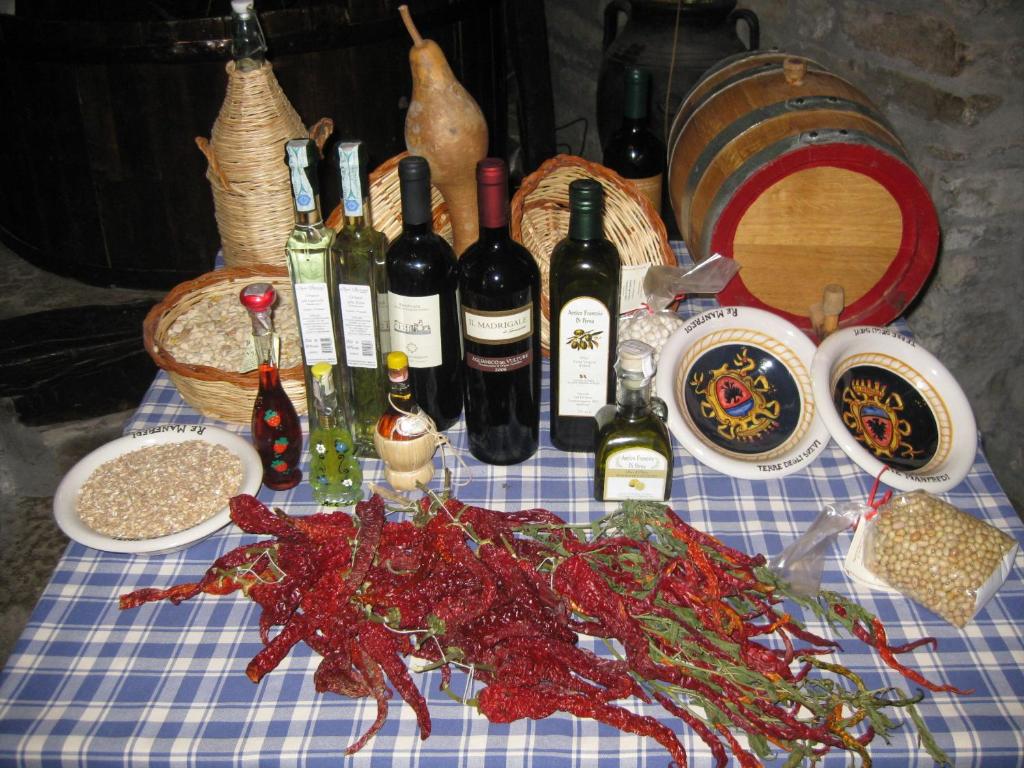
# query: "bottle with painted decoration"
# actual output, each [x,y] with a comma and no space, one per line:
[334,473]
[634,458]
[584,300]
[360,269]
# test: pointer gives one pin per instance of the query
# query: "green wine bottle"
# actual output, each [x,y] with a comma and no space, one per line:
[634,454]
[360,269]
[584,300]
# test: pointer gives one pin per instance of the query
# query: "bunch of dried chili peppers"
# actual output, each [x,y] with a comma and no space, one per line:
[690,623]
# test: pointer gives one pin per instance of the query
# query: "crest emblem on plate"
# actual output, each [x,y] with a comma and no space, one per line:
[736,400]
[872,413]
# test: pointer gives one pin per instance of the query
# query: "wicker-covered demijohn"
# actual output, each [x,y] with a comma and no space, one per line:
[540,219]
[225,395]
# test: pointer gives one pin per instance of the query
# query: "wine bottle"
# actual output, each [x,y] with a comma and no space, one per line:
[499,292]
[309,264]
[584,300]
[633,151]
[633,458]
[248,46]
[422,302]
[362,321]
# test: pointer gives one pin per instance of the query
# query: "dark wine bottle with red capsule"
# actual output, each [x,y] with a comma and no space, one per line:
[499,288]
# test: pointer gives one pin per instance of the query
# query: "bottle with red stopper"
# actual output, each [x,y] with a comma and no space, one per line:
[276,430]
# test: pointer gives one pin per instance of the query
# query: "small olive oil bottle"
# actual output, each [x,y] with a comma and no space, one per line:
[634,453]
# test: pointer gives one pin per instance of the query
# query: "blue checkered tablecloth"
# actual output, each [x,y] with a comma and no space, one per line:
[90,685]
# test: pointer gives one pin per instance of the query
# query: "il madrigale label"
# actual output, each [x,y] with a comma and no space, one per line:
[635,473]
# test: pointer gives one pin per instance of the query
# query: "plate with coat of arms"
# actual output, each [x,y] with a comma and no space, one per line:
[738,385]
[890,404]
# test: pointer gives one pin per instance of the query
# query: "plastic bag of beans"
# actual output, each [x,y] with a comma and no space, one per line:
[925,548]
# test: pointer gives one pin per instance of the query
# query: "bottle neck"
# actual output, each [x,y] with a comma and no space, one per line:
[585,224]
[311,218]
[361,220]
[416,209]
[248,46]
[633,398]
[634,102]
[417,230]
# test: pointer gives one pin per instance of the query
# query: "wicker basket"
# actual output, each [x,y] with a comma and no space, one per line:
[540,219]
[225,395]
[386,203]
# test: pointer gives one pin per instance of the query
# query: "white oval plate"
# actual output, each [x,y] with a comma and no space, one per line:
[904,395]
[65,500]
[775,429]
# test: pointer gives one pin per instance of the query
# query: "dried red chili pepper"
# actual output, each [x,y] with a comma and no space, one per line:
[887,656]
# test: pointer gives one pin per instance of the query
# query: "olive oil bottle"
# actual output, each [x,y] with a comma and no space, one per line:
[634,454]
[584,300]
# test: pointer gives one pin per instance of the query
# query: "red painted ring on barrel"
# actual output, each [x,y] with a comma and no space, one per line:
[914,259]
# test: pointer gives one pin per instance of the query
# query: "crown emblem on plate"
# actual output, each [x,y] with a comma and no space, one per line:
[872,413]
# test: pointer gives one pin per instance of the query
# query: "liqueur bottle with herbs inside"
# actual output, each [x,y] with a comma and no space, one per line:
[361,274]
[499,291]
[422,300]
[634,454]
[248,46]
[633,151]
[309,263]
[276,430]
[584,299]
[334,472]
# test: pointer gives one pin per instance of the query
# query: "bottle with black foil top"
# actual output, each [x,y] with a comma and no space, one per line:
[584,299]
[422,300]
[499,290]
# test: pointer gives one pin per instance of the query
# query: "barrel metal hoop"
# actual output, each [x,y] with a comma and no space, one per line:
[738,127]
[759,160]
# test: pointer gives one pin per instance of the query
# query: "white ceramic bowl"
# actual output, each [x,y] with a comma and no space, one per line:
[65,500]
[737,384]
[890,403]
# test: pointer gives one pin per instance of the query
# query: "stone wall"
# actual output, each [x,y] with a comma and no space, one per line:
[949,76]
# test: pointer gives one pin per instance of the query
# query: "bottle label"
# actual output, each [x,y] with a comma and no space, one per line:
[351,189]
[383,324]
[416,328]
[499,364]
[357,324]
[302,190]
[650,188]
[631,287]
[499,326]
[315,323]
[635,473]
[584,324]
[410,426]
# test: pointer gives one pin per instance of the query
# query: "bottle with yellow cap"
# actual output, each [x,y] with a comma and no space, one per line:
[334,472]
[634,454]
[406,437]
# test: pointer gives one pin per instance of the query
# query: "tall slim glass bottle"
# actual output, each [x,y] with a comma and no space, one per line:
[633,459]
[309,263]
[276,430]
[422,302]
[633,151]
[584,299]
[362,295]
[248,46]
[499,291]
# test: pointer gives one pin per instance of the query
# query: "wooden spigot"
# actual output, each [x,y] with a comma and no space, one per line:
[832,303]
[794,70]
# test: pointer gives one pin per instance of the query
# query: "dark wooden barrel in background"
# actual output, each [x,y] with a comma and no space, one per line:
[99,175]
[793,172]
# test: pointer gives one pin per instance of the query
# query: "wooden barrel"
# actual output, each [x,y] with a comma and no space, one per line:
[793,172]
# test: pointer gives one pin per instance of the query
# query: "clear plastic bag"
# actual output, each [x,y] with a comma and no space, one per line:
[801,562]
[927,549]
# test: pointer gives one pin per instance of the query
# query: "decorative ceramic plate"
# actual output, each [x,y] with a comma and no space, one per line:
[889,403]
[65,501]
[738,388]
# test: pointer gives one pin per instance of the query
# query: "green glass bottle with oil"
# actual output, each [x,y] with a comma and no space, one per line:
[634,453]
[360,272]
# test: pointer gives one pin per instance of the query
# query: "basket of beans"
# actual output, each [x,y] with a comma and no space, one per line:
[947,560]
[198,334]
